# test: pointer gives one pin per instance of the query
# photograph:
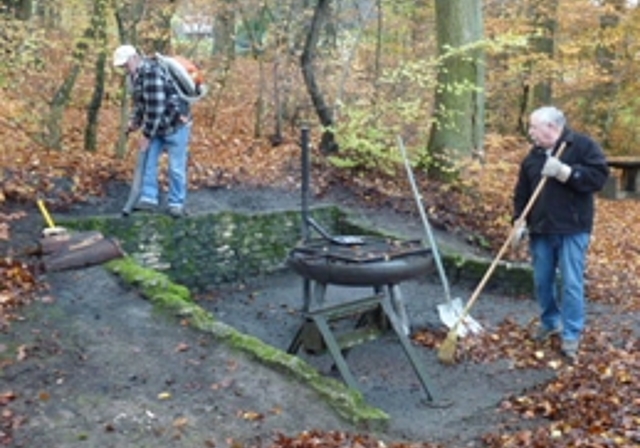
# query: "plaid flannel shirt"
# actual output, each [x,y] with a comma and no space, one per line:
[157,107]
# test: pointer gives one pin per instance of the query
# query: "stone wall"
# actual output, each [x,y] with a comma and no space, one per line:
[205,250]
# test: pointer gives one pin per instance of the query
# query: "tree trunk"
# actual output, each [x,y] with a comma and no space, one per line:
[538,87]
[224,44]
[458,128]
[352,52]
[255,40]
[19,9]
[277,137]
[93,109]
[260,102]
[128,16]
[53,122]
[603,115]
[154,34]
[99,32]
[224,31]
[49,14]
[325,115]
[379,34]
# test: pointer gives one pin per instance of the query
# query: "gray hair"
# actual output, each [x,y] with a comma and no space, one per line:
[550,114]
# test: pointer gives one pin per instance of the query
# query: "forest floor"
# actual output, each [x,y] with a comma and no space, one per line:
[93,364]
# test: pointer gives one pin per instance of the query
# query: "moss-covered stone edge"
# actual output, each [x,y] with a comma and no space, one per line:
[174,298]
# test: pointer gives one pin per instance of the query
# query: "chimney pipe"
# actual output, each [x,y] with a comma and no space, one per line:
[304,146]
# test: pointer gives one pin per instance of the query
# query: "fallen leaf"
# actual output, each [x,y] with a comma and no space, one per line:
[180,422]
[182,347]
[252,416]
[22,353]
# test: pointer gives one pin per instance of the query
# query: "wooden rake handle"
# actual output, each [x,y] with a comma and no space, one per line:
[505,245]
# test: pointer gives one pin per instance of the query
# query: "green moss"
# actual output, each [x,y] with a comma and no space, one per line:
[156,287]
[509,278]
[349,403]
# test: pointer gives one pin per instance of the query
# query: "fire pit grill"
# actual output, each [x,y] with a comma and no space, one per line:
[376,261]
[354,261]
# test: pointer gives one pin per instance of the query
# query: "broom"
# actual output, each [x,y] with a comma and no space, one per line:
[447,350]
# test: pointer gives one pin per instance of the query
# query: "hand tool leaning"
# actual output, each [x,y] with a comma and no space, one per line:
[450,312]
[61,250]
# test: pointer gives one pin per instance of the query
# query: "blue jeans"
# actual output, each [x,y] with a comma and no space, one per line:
[177,147]
[566,254]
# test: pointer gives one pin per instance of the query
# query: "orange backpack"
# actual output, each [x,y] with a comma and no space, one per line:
[194,71]
[187,76]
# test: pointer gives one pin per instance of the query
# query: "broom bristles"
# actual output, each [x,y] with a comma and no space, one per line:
[447,350]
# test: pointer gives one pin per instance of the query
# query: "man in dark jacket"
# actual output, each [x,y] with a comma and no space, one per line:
[164,119]
[561,221]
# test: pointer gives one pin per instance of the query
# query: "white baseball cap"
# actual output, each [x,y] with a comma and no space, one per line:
[122,54]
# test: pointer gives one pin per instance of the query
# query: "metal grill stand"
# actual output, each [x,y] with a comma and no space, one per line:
[353,261]
[375,314]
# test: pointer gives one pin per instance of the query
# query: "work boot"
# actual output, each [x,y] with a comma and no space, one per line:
[144,206]
[570,349]
[543,333]
[176,211]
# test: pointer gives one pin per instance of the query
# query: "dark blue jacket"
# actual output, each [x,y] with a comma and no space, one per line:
[562,208]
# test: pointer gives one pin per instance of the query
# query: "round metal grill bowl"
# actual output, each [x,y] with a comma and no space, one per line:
[375,262]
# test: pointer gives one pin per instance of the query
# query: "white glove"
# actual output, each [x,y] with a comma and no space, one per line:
[519,234]
[553,167]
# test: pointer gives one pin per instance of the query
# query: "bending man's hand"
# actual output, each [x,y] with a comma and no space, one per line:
[131,127]
[553,167]
[143,143]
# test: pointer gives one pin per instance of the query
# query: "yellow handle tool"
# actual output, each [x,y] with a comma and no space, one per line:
[45,213]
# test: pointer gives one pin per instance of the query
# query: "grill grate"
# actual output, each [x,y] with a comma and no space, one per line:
[372,250]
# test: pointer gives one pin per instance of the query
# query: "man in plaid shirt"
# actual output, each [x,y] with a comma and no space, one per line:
[164,119]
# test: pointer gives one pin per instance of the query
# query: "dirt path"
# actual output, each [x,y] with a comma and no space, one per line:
[102,368]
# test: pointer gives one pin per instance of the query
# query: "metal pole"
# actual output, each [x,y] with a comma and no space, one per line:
[304,146]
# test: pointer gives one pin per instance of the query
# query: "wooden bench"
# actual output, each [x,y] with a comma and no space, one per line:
[624,180]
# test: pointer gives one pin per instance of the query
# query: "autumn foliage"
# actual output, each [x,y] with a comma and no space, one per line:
[595,403]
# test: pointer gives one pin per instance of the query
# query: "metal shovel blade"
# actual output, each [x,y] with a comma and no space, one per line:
[136,184]
[450,313]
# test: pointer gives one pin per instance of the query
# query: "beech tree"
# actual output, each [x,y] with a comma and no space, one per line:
[325,113]
[458,125]
[537,88]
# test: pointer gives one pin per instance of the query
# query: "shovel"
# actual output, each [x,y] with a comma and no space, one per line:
[136,183]
[450,312]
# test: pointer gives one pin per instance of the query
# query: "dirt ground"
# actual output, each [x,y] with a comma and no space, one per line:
[101,368]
